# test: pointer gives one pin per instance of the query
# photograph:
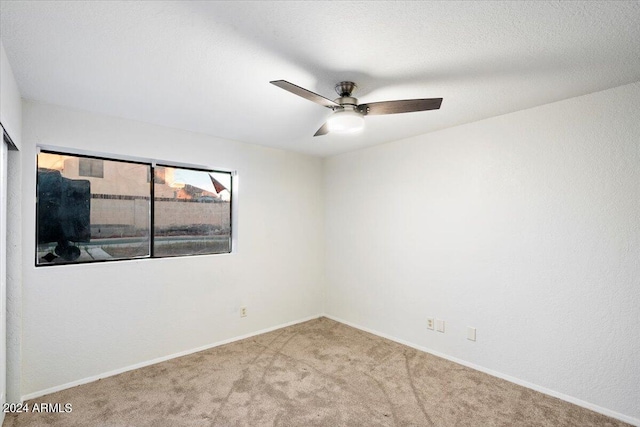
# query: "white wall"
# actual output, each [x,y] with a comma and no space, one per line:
[525,226]
[3,273]
[11,119]
[84,320]
[14,275]
[10,101]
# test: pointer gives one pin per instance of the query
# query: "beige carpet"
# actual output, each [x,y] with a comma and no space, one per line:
[317,373]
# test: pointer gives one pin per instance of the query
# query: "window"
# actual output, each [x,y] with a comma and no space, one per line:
[192,212]
[123,216]
[91,167]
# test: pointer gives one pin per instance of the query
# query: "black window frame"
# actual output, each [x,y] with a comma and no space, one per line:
[151,181]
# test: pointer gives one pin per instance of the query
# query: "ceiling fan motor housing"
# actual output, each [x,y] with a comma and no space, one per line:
[347,101]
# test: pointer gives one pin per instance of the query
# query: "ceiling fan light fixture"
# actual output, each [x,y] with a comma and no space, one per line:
[345,121]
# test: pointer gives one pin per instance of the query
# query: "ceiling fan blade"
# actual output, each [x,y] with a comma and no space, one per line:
[404,106]
[324,129]
[306,94]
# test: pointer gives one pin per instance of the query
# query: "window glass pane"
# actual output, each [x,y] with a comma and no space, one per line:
[192,212]
[91,167]
[90,218]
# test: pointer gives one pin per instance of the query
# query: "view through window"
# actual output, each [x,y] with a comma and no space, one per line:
[192,212]
[83,217]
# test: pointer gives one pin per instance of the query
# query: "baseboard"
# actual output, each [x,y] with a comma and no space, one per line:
[50,390]
[544,390]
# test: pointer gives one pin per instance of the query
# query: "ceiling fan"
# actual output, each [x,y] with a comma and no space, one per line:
[347,115]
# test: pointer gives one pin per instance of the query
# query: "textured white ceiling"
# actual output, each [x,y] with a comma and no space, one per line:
[206,66]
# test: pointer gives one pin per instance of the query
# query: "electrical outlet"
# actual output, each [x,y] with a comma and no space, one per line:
[471,333]
[243,311]
[430,323]
[440,325]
